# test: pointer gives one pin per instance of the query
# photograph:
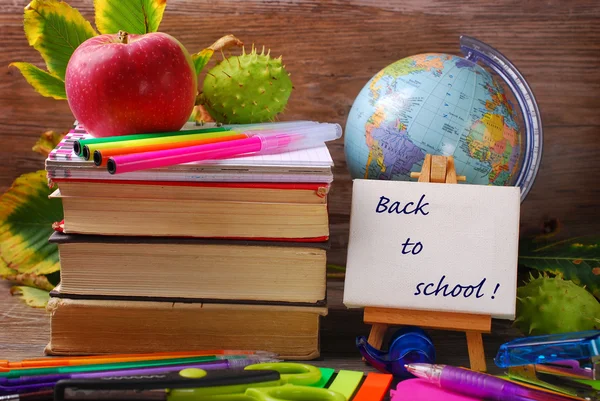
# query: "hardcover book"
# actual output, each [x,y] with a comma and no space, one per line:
[84,326]
[191,270]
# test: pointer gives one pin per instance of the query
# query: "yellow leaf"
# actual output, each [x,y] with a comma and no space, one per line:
[44,83]
[202,58]
[26,217]
[132,16]
[32,296]
[48,141]
[55,29]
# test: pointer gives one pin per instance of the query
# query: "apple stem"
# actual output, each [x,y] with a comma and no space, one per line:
[123,37]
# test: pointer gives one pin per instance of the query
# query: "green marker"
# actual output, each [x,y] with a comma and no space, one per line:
[79,144]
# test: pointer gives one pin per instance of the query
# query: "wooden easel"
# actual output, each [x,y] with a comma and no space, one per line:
[435,169]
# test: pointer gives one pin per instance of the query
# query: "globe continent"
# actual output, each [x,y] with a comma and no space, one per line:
[438,104]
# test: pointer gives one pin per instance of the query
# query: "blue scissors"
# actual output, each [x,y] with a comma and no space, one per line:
[279,381]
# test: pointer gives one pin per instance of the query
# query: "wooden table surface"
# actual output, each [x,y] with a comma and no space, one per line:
[24,332]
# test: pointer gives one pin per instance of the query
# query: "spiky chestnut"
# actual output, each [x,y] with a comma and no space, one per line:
[250,88]
[551,305]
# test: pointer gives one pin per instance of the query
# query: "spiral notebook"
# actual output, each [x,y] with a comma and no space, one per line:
[312,165]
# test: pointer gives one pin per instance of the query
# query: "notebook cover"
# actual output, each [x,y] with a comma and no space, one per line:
[62,238]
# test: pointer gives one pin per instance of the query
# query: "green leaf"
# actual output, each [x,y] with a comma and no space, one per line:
[132,16]
[43,82]
[202,58]
[576,259]
[32,296]
[55,29]
[26,217]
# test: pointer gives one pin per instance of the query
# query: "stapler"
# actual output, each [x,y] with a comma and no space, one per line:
[569,377]
[567,363]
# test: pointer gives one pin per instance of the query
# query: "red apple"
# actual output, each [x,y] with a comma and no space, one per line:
[121,84]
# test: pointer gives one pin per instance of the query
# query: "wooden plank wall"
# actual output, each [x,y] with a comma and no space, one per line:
[332,48]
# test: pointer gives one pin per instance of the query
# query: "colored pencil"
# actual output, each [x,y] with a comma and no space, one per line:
[101,155]
[115,358]
[114,366]
[29,384]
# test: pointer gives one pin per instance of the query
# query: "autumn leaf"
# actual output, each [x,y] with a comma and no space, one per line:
[26,217]
[55,29]
[48,141]
[43,82]
[202,58]
[33,297]
[132,16]
[576,259]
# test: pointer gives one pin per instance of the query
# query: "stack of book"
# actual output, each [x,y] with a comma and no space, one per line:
[226,254]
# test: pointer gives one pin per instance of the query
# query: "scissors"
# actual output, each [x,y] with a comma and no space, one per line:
[279,381]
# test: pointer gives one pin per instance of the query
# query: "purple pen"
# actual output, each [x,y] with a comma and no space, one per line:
[479,385]
[28,384]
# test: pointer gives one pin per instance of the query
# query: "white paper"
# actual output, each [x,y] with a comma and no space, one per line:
[461,235]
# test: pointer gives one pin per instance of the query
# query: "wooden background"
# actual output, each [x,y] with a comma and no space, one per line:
[332,48]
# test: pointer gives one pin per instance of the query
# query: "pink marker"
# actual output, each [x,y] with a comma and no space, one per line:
[257,142]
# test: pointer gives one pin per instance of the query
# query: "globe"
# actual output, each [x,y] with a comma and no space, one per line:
[439,104]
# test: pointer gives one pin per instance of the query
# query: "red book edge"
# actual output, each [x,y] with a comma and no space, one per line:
[320,188]
[60,227]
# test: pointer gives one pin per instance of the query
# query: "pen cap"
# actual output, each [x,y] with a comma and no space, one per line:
[270,126]
[298,138]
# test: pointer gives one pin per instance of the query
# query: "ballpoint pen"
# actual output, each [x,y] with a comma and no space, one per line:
[257,142]
[480,385]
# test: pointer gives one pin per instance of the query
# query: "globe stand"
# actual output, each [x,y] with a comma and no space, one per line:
[438,169]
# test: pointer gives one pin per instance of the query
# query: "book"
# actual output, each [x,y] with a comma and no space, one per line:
[171,217]
[84,327]
[312,165]
[269,192]
[191,270]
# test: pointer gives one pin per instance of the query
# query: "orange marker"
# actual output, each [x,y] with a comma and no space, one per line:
[374,388]
[101,156]
[6,366]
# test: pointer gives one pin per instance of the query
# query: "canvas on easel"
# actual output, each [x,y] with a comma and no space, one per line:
[434,256]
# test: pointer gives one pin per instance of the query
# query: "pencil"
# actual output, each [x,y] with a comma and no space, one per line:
[101,359]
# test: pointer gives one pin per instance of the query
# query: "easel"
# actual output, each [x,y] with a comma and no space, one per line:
[435,169]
